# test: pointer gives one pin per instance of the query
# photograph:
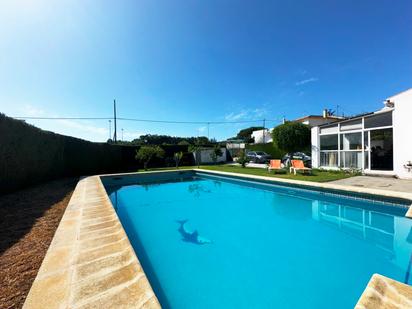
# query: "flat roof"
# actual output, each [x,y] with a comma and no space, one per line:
[319,117]
[358,117]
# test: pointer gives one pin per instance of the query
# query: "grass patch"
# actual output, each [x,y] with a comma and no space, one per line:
[317,175]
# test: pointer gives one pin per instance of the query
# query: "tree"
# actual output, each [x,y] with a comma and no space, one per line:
[146,153]
[196,150]
[183,143]
[292,136]
[245,134]
[154,139]
[177,157]
[216,152]
[242,159]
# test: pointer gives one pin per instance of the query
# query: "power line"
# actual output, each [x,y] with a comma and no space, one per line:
[145,120]
[65,118]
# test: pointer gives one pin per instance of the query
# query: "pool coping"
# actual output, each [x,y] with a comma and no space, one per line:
[90,262]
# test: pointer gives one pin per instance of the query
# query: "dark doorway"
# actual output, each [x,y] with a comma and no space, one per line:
[381,149]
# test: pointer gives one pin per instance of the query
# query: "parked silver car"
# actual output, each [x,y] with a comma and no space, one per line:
[307,160]
[258,156]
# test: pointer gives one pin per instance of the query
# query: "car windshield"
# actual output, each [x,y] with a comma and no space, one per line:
[260,153]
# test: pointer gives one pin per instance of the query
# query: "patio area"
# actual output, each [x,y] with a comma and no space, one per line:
[376,182]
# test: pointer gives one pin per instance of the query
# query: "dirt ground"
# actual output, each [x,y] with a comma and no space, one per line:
[28,220]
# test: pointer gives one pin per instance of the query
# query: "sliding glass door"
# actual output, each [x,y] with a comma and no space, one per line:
[381,149]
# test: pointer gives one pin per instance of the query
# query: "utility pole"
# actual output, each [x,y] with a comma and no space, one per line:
[208,130]
[264,131]
[115,124]
[110,129]
[122,134]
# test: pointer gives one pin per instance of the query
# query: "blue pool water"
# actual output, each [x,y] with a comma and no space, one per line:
[270,247]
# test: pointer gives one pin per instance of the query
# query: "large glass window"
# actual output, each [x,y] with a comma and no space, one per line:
[378,120]
[351,141]
[329,158]
[329,142]
[351,159]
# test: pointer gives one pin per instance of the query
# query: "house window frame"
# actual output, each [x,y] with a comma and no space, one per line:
[340,151]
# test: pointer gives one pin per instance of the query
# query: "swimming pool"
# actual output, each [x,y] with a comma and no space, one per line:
[206,241]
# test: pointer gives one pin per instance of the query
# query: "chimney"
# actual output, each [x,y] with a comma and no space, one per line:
[325,113]
[388,103]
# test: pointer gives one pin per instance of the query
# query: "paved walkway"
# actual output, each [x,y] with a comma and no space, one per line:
[375,182]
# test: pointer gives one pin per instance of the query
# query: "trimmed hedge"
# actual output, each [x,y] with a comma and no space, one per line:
[29,155]
[269,148]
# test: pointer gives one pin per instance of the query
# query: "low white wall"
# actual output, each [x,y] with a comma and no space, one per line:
[205,157]
[402,133]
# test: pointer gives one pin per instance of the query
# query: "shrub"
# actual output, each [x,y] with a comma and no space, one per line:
[216,152]
[269,148]
[177,157]
[196,150]
[242,159]
[292,136]
[146,153]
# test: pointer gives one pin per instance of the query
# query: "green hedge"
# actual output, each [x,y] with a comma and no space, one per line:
[269,148]
[29,155]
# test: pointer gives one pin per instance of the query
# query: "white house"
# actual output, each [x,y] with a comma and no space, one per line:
[262,136]
[317,120]
[376,143]
[265,136]
[235,146]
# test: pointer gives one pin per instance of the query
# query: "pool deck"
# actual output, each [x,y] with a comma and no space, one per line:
[91,264]
[376,182]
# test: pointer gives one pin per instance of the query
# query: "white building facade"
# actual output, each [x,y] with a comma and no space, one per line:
[265,136]
[262,136]
[375,143]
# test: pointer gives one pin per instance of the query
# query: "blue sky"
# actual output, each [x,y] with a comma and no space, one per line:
[199,61]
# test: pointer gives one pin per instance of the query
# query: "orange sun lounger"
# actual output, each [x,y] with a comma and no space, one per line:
[274,165]
[297,165]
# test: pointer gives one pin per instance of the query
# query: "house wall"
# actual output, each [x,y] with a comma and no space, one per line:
[205,157]
[315,146]
[258,136]
[402,133]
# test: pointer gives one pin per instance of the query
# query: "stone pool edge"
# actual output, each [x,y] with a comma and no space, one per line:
[91,263]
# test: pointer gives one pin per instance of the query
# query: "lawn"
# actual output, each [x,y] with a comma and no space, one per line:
[317,175]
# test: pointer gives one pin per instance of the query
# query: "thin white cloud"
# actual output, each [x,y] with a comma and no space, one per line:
[202,129]
[236,116]
[87,128]
[259,112]
[31,111]
[247,114]
[305,81]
